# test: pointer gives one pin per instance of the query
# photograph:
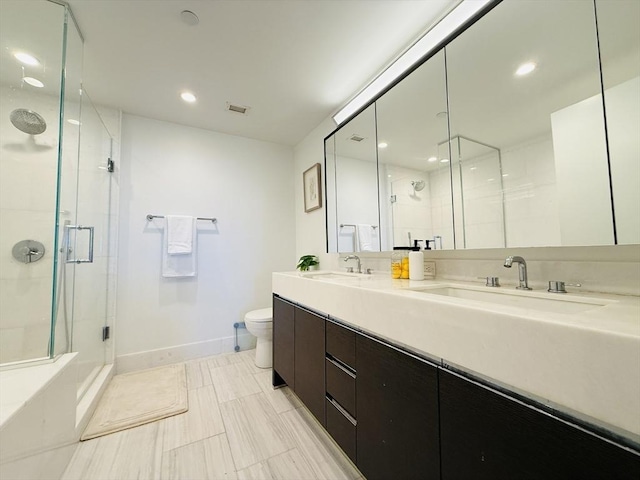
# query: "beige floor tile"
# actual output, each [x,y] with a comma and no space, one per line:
[233,381]
[201,421]
[130,454]
[197,374]
[325,458]
[205,459]
[249,357]
[286,466]
[223,360]
[281,399]
[254,430]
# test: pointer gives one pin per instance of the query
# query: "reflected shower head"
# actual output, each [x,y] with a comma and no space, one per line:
[28,121]
[417,185]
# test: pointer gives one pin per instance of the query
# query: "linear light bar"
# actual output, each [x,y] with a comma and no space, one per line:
[418,50]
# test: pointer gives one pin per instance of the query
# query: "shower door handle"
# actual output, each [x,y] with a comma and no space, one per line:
[79,228]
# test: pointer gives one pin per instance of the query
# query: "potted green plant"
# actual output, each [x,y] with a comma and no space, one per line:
[306,262]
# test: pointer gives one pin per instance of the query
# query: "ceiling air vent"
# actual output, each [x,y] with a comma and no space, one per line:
[237,108]
[356,138]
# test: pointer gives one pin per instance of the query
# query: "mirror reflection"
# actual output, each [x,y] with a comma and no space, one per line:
[521,132]
[356,185]
[416,191]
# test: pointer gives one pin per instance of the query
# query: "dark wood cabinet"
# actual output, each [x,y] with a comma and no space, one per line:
[397,413]
[487,435]
[309,361]
[283,338]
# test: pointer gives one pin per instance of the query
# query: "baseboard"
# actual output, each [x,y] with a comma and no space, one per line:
[179,353]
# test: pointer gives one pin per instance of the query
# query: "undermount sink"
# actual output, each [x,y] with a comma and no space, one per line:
[545,302]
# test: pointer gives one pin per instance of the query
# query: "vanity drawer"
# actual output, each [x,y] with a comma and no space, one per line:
[341,343]
[342,428]
[341,385]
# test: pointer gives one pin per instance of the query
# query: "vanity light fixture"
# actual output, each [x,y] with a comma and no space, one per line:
[34,82]
[525,69]
[188,97]
[383,145]
[27,59]
[441,30]
[432,159]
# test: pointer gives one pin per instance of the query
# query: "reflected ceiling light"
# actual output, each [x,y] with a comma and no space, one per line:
[444,160]
[441,30]
[383,145]
[490,179]
[432,159]
[73,121]
[525,69]
[26,59]
[473,168]
[34,82]
[188,97]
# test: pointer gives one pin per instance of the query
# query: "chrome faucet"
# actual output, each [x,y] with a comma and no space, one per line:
[354,257]
[522,271]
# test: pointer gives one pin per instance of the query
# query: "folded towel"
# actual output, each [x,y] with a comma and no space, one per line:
[182,265]
[179,231]
[364,235]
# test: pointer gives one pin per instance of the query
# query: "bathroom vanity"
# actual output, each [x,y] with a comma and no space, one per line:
[419,380]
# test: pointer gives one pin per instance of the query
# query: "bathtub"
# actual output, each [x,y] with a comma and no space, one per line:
[41,419]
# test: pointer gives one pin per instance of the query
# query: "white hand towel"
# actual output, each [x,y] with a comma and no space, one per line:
[179,231]
[365,237]
[183,265]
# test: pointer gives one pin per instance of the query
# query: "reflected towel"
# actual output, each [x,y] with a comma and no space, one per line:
[180,233]
[364,235]
[181,265]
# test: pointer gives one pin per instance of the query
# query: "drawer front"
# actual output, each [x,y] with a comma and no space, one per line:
[341,385]
[342,429]
[341,344]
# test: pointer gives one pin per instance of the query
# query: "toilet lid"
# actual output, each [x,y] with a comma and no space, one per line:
[262,315]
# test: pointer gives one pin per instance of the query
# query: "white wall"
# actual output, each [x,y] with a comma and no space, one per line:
[247,185]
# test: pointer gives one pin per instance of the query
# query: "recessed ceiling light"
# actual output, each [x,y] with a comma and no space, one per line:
[432,159]
[26,59]
[525,69]
[444,160]
[383,145]
[505,174]
[188,97]
[490,179]
[34,82]
[473,168]
[73,121]
[189,18]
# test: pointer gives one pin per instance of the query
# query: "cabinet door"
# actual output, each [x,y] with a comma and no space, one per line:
[397,405]
[487,435]
[283,338]
[309,361]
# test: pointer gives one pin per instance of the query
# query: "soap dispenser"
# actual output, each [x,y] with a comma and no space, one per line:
[416,262]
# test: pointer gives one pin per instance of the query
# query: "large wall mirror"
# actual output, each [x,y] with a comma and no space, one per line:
[502,138]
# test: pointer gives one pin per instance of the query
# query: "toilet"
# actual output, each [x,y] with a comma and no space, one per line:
[260,325]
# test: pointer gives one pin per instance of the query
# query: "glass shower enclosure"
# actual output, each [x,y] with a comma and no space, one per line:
[55,194]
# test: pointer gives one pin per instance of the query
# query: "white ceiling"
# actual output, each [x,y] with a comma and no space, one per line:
[294,62]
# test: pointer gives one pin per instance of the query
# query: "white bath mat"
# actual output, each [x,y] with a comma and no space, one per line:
[136,398]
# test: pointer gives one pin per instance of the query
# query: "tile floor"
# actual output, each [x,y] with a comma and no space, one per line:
[237,427]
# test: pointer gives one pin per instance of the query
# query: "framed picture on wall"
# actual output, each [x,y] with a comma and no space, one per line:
[312,188]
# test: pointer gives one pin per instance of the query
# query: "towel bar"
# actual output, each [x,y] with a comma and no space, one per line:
[352,225]
[212,220]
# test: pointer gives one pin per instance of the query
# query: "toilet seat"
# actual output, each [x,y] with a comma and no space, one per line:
[262,315]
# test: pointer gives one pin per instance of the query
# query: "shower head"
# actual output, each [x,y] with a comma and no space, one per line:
[417,185]
[28,121]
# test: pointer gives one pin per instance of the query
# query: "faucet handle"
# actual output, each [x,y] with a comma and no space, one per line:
[556,286]
[349,269]
[491,281]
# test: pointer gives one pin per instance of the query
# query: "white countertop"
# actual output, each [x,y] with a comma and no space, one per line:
[585,363]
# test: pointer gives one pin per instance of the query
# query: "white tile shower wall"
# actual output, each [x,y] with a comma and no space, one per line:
[531,205]
[246,184]
[28,166]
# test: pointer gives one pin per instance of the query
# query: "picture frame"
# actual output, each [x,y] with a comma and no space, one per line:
[312,188]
